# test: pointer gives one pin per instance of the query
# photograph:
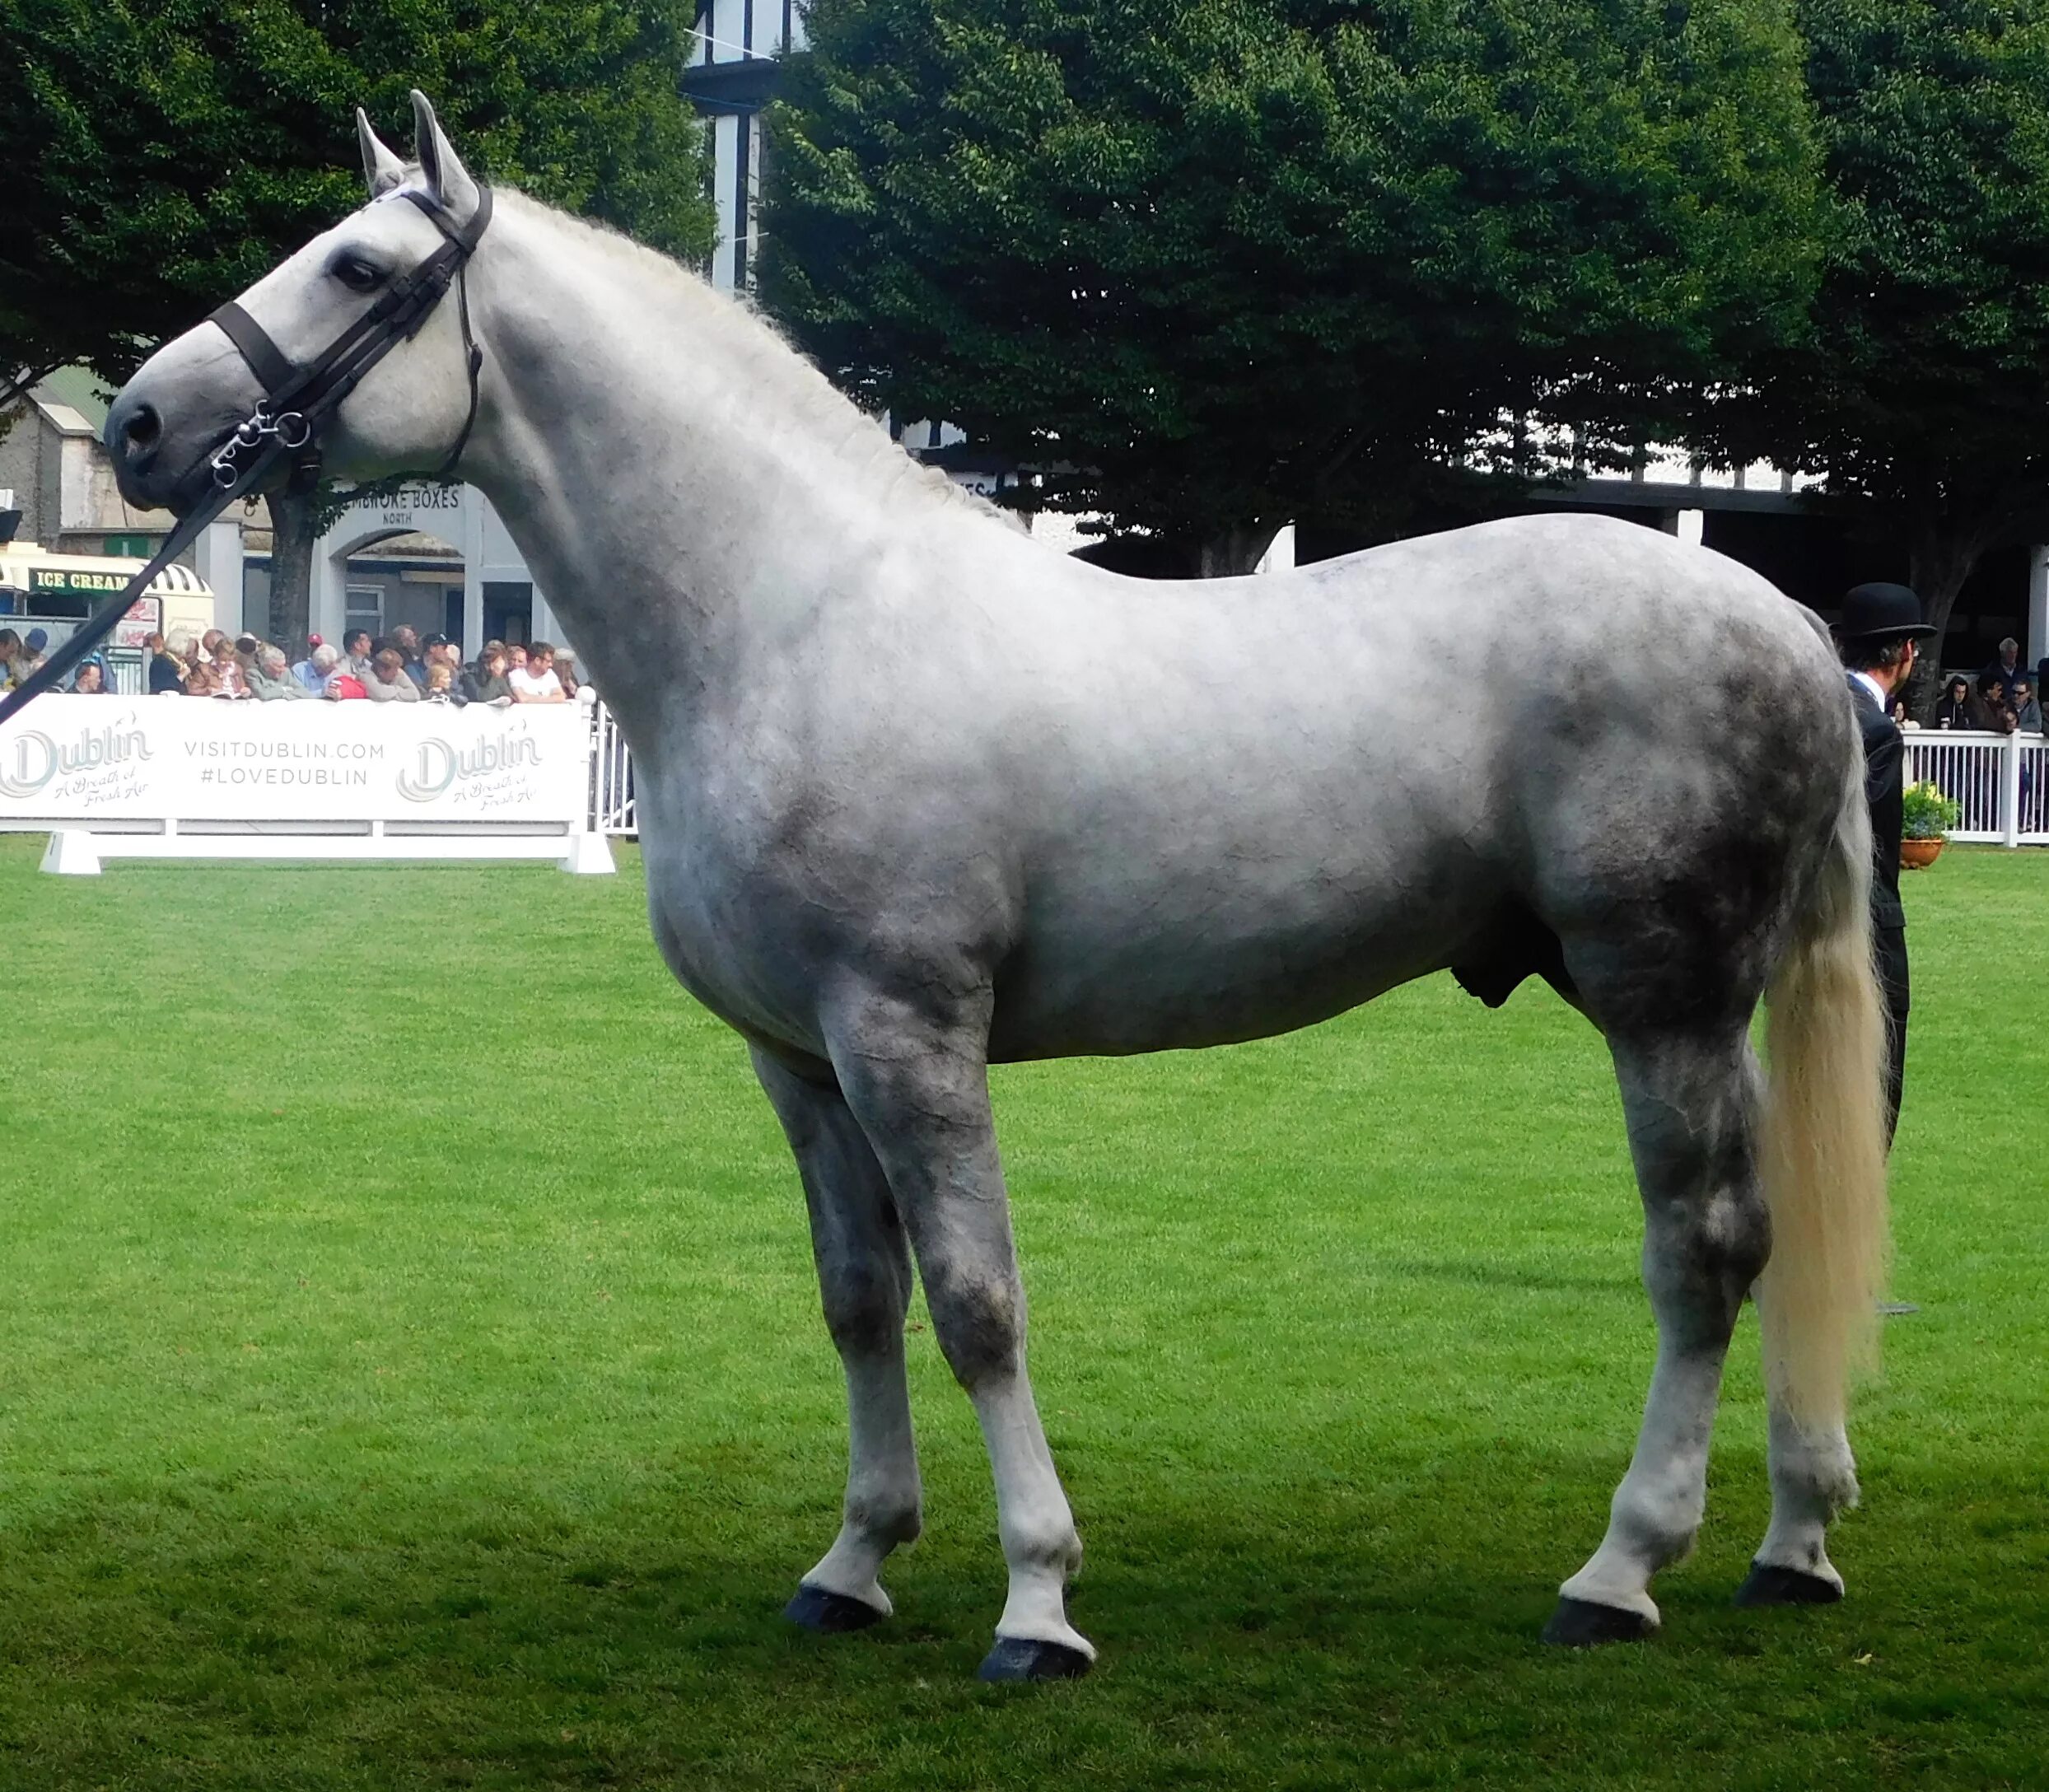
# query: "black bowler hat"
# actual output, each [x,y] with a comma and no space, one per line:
[1881,612]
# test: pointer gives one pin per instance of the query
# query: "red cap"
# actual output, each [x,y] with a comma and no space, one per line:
[314,641]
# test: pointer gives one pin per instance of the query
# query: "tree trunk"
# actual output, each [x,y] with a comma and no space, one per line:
[294,528]
[1236,551]
[1940,560]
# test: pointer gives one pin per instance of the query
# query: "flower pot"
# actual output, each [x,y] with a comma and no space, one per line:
[1915,854]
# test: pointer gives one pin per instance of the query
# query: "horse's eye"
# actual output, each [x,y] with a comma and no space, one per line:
[357,274]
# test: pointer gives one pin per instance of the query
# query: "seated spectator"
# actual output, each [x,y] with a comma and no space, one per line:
[486,682]
[515,657]
[434,652]
[10,658]
[2005,666]
[270,678]
[565,670]
[166,668]
[441,685]
[2027,710]
[356,653]
[407,641]
[33,657]
[1995,712]
[230,678]
[342,684]
[90,679]
[387,682]
[1956,709]
[311,679]
[535,682]
[202,678]
[325,660]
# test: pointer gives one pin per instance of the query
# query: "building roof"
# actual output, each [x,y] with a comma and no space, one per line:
[78,390]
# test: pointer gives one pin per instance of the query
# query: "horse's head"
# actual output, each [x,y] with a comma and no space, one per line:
[409,410]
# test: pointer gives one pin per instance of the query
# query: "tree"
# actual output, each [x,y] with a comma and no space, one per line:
[162,154]
[1919,392]
[1216,263]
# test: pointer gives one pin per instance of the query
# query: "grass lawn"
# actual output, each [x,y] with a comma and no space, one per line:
[410,1375]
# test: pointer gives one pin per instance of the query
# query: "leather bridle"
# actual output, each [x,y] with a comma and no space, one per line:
[299,398]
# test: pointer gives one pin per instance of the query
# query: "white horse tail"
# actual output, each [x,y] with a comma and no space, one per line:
[1822,1149]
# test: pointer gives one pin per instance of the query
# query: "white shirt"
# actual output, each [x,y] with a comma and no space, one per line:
[1877,691]
[527,684]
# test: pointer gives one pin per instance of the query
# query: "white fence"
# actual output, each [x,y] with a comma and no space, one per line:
[2001,780]
[179,777]
[162,778]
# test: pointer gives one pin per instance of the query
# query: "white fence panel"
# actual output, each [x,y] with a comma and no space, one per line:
[110,776]
[611,776]
[2033,795]
[1969,768]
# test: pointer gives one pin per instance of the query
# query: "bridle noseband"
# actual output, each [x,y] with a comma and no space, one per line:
[298,399]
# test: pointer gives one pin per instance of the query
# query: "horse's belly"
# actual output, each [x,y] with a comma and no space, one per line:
[1239,953]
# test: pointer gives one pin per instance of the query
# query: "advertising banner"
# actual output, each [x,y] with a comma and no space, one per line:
[84,759]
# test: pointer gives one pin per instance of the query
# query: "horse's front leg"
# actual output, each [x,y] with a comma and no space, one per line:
[1692,1106]
[919,1084]
[864,1273]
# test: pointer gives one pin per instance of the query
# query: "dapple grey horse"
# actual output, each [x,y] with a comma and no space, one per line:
[917,794]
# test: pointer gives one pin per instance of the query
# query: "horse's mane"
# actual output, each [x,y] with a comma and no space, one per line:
[773,364]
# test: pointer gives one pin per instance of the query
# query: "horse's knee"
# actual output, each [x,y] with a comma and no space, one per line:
[979,1316]
[865,1304]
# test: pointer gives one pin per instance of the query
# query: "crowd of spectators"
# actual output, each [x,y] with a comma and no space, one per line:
[2004,698]
[398,668]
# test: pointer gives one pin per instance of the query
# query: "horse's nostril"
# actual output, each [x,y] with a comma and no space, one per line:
[143,428]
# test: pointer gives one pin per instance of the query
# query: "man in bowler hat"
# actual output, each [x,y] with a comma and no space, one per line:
[1878,639]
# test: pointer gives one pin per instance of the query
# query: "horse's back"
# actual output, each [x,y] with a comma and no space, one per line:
[1501,733]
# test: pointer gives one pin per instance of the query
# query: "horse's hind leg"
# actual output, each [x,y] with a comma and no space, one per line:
[1693,1104]
[1812,1478]
[864,1272]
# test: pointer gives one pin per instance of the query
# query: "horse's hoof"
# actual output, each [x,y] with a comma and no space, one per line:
[1785,1586]
[830,1613]
[1581,1624]
[1020,1658]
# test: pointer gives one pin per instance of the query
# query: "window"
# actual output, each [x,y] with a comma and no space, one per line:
[365,610]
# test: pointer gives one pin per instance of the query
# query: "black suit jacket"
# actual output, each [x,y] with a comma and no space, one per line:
[1884,766]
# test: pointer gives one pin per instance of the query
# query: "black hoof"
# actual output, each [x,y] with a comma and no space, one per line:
[1017,1658]
[1581,1624]
[1785,1586]
[830,1613]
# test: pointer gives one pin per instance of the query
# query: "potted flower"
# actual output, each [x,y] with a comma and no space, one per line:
[1927,816]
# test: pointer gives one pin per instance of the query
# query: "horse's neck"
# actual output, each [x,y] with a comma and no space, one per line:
[673,473]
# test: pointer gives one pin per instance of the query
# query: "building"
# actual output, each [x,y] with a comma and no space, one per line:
[435,556]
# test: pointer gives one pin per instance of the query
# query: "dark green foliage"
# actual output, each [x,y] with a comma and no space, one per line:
[161,154]
[1221,262]
[1920,391]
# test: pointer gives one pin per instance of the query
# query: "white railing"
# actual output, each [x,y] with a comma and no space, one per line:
[2001,781]
[611,775]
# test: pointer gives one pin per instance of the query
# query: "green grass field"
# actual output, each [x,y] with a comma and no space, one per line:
[410,1376]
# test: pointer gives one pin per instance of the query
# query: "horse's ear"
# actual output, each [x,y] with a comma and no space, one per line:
[448,182]
[381,169]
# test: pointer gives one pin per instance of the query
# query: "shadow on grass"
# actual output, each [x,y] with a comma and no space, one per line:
[1262,1626]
